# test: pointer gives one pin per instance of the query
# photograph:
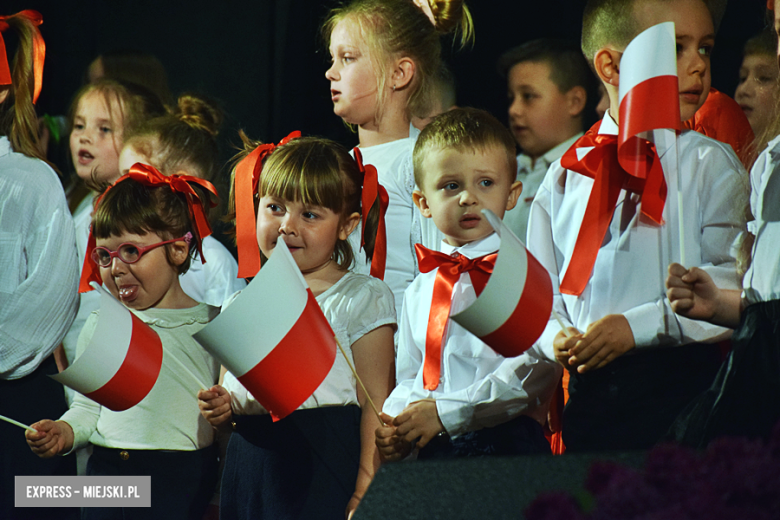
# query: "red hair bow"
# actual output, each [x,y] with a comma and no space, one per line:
[150,176]
[39,50]
[246,182]
[372,191]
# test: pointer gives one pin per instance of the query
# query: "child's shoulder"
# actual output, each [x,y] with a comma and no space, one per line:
[703,148]
[359,286]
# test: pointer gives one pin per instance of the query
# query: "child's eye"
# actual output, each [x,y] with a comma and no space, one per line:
[309,215]
[275,208]
[527,96]
[486,183]
[451,186]
[705,50]
[347,59]
[78,126]
[105,129]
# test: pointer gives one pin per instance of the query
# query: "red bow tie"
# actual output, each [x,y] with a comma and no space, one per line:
[450,269]
[636,169]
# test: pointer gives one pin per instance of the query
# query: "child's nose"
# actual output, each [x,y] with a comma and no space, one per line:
[330,74]
[117,266]
[467,198]
[288,226]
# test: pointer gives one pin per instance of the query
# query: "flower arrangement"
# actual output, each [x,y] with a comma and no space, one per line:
[734,478]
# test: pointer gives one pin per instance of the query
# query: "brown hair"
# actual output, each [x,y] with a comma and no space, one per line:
[613,22]
[399,28]
[138,67]
[464,129]
[182,140]
[17,113]
[131,207]
[316,171]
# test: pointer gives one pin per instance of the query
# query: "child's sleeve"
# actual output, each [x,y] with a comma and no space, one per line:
[716,194]
[523,384]
[407,364]
[540,243]
[84,413]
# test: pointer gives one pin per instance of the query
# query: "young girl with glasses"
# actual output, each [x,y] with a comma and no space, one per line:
[146,228]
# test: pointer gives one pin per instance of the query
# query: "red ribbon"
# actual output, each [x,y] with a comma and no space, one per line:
[39,51]
[372,191]
[150,176]
[246,180]
[450,269]
[606,165]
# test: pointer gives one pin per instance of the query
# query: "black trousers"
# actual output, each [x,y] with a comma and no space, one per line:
[630,403]
[183,482]
[28,400]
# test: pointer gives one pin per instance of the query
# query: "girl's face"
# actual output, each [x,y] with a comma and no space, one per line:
[353,81]
[310,232]
[96,138]
[150,282]
[757,90]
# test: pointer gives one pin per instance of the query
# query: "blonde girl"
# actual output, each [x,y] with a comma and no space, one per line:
[386,56]
[318,461]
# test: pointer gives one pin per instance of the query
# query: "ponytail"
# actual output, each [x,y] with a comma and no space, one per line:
[18,120]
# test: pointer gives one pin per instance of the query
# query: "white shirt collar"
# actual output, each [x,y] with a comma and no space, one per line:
[481,247]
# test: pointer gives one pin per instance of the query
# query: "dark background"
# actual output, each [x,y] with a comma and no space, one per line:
[265,60]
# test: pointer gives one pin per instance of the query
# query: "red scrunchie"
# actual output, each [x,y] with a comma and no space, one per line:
[39,50]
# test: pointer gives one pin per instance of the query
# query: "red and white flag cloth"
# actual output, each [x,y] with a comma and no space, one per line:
[513,309]
[274,337]
[121,364]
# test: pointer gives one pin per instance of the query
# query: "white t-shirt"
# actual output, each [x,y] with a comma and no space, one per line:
[354,306]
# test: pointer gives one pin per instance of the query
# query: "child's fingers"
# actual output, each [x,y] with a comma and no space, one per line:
[676,270]
[386,419]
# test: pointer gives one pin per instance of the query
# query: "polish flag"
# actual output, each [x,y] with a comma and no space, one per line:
[274,337]
[513,309]
[649,99]
[121,364]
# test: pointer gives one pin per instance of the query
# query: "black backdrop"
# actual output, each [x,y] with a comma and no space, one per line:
[265,61]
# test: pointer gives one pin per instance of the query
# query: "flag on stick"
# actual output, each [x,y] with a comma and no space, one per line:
[513,309]
[121,364]
[274,337]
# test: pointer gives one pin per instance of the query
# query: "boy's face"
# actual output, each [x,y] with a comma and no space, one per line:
[757,90]
[539,115]
[695,39]
[458,185]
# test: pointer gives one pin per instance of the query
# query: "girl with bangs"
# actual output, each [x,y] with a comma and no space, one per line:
[144,233]
[318,461]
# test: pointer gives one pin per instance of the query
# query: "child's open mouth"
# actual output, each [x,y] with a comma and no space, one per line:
[128,293]
[85,157]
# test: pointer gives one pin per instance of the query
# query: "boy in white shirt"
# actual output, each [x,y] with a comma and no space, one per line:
[633,364]
[455,395]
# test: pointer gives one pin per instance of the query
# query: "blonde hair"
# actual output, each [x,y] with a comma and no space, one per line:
[464,129]
[399,28]
[315,171]
[17,113]
[182,140]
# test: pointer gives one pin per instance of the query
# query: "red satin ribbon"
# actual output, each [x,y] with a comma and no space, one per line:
[450,269]
[371,191]
[246,180]
[39,51]
[635,167]
[150,176]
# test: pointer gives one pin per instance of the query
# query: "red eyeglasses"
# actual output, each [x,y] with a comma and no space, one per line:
[129,253]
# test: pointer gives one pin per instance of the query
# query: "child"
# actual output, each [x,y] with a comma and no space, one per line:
[320,459]
[38,298]
[476,402]
[386,57]
[743,399]
[635,365]
[757,89]
[164,435]
[100,115]
[185,142]
[552,95]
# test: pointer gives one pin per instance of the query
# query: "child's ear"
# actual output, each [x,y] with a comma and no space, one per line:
[403,72]
[514,193]
[349,225]
[179,251]
[575,100]
[607,65]
[422,203]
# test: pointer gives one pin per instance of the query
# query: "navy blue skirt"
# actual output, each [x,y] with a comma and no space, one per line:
[302,467]
[744,398]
